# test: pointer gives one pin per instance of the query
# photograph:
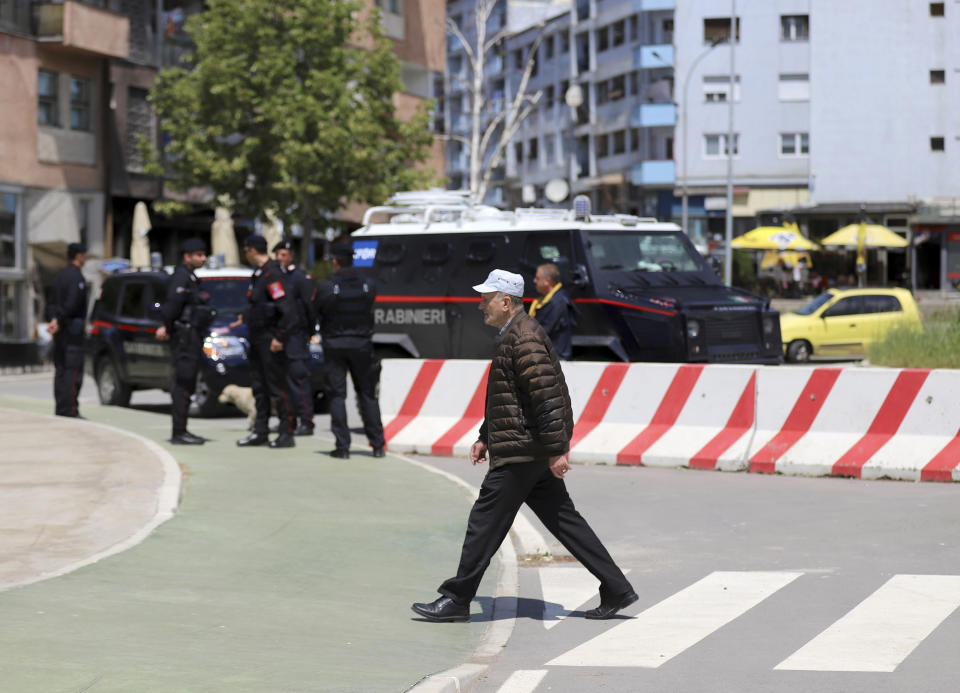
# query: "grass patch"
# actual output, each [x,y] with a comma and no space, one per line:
[938,346]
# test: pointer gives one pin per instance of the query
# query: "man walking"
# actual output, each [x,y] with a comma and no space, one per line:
[344,307]
[186,318]
[554,310]
[271,317]
[526,433]
[297,346]
[67,313]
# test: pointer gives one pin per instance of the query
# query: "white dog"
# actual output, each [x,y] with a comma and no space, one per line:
[242,399]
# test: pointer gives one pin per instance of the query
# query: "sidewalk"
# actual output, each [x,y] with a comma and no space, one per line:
[280,570]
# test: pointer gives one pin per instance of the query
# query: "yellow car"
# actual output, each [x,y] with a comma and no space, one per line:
[844,322]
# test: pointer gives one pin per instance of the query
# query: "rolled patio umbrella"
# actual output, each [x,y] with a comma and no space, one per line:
[272,230]
[139,243]
[222,238]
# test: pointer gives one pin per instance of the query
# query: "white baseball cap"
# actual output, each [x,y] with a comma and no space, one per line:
[503,281]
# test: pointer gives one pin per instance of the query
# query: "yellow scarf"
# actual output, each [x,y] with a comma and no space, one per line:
[539,303]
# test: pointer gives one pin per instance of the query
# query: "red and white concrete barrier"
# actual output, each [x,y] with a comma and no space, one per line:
[860,422]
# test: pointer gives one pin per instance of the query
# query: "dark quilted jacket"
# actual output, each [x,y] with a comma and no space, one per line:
[528,413]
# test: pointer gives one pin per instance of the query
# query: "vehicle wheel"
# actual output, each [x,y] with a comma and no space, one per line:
[799,351]
[110,388]
[204,399]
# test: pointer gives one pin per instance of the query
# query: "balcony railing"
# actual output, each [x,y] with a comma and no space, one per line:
[77,25]
[652,57]
[650,5]
[652,115]
[653,172]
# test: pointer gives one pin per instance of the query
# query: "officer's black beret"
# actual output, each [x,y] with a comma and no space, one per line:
[75,249]
[285,244]
[193,245]
[255,241]
[342,252]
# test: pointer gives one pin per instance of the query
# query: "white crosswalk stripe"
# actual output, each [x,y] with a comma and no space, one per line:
[523,681]
[666,629]
[564,589]
[881,631]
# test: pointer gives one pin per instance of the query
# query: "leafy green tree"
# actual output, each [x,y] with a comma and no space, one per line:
[288,105]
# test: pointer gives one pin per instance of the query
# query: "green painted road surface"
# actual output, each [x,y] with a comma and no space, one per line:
[281,570]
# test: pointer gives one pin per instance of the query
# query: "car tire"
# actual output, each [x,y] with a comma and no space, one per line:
[204,399]
[799,351]
[111,389]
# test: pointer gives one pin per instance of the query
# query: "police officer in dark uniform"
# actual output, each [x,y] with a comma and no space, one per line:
[344,305]
[297,345]
[271,318]
[67,315]
[186,319]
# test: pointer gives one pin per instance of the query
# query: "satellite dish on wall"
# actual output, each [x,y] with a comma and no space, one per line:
[556,190]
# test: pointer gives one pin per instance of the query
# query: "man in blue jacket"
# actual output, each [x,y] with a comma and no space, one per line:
[554,310]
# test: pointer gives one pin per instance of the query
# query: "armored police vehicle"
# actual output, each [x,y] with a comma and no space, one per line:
[125,355]
[643,291]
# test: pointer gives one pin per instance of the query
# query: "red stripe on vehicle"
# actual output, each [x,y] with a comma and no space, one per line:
[941,467]
[620,304]
[471,417]
[798,422]
[599,401]
[885,424]
[740,421]
[415,397]
[428,299]
[127,328]
[666,415]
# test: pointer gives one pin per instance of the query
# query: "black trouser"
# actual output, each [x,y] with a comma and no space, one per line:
[364,369]
[298,377]
[503,491]
[68,371]
[268,377]
[185,350]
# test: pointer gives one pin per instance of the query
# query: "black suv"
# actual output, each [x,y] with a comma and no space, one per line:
[124,354]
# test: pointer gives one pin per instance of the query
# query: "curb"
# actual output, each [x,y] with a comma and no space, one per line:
[504,617]
[168,497]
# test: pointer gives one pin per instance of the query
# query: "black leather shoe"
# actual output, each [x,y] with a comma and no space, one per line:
[303,430]
[284,440]
[340,454]
[379,452]
[609,610]
[253,439]
[187,438]
[443,610]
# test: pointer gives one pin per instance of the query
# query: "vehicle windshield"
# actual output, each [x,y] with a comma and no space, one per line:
[811,307]
[227,294]
[642,251]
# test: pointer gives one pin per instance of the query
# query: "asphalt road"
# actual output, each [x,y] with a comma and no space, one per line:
[746,583]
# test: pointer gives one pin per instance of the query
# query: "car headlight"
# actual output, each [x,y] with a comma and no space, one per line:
[693,329]
[224,346]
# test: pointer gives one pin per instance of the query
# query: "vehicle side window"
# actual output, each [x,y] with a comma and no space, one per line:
[881,304]
[436,253]
[540,248]
[132,301]
[851,305]
[390,252]
[108,297]
[481,251]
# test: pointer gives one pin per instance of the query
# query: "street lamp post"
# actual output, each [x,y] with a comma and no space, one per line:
[728,231]
[685,195]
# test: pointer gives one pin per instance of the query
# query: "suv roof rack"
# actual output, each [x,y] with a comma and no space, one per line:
[436,205]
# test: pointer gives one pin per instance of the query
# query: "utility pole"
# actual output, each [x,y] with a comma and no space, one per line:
[728,235]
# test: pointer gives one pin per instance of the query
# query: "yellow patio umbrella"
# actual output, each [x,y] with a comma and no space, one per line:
[787,237]
[862,236]
[139,244]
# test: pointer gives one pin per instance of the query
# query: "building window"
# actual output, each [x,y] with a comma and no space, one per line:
[603,92]
[392,6]
[635,140]
[618,88]
[548,48]
[936,9]
[795,27]
[794,87]
[619,31]
[48,102]
[8,229]
[518,152]
[619,141]
[715,146]
[635,83]
[518,59]
[717,88]
[634,27]
[549,96]
[603,39]
[603,146]
[937,144]
[533,149]
[718,29]
[79,104]
[794,144]
[938,76]
[564,43]
[549,150]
